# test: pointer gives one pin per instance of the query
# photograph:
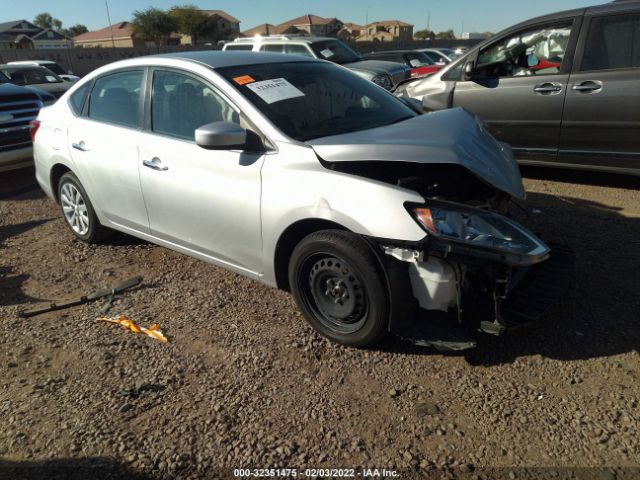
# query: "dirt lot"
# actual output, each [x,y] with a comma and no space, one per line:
[245,383]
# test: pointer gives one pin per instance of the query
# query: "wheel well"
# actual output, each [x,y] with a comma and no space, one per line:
[288,241]
[56,172]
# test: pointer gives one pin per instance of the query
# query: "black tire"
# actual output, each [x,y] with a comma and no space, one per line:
[91,231]
[338,285]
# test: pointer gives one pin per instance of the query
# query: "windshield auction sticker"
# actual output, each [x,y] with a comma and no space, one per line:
[327,53]
[275,90]
[243,80]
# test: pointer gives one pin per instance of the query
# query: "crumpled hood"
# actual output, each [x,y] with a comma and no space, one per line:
[447,137]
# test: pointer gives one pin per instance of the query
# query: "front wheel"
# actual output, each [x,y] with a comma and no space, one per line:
[338,284]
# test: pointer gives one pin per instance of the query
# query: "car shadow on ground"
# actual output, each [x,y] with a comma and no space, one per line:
[582,177]
[20,185]
[94,468]
[599,315]
[11,291]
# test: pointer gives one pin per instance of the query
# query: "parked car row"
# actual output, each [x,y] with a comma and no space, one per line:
[386,74]
[18,107]
[562,89]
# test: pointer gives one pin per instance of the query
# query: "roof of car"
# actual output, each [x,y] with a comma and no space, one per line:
[19,66]
[393,51]
[219,59]
[284,38]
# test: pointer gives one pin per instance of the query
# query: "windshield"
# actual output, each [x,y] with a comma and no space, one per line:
[421,59]
[55,68]
[308,100]
[335,51]
[32,76]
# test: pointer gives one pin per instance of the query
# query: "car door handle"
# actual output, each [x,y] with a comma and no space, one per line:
[80,146]
[588,86]
[550,87]
[155,164]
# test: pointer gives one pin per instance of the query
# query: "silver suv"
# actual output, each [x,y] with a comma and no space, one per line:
[301,175]
[386,74]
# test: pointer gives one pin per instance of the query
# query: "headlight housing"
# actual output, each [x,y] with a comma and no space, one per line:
[479,229]
[383,80]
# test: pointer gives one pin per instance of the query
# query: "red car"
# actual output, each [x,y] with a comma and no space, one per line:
[420,63]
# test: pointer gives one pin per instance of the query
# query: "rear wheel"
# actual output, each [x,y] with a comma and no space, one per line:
[337,283]
[77,210]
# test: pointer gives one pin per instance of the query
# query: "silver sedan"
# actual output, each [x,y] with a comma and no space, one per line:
[301,175]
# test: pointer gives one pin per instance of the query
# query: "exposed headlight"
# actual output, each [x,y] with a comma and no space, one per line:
[383,80]
[478,228]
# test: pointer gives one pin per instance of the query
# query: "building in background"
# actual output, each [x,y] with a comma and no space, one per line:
[120,35]
[267,29]
[350,32]
[20,34]
[226,27]
[314,25]
[387,31]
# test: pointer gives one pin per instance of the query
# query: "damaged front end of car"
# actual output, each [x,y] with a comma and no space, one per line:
[476,269]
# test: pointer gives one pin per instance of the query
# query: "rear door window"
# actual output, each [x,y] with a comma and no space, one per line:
[115,98]
[613,42]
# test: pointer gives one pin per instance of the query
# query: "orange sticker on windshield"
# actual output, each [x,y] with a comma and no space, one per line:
[243,80]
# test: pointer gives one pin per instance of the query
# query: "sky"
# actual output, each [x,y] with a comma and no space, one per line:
[439,15]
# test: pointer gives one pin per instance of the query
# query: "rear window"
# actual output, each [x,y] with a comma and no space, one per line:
[238,46]
[613,42]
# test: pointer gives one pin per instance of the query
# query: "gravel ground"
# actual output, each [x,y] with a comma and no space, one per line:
[245,382]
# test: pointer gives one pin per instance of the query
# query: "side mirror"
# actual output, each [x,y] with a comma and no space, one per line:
[221,136]
[469,70]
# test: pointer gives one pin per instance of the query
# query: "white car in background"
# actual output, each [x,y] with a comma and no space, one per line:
[66,75]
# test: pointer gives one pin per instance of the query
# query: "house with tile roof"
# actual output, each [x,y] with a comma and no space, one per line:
[315,25]
[387,30]
[119,35]
[267,29]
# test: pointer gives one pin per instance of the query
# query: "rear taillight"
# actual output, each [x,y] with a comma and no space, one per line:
[34,125]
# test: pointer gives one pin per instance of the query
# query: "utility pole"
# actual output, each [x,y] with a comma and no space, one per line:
[113,41]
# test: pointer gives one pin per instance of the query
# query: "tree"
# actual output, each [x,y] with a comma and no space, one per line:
[193,22]
[74,31]
[45,20]
[425,34]
[447,35]
[154,24]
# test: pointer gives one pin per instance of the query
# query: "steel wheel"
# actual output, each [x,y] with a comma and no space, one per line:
[74,208]
[334,293]
[336,280]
